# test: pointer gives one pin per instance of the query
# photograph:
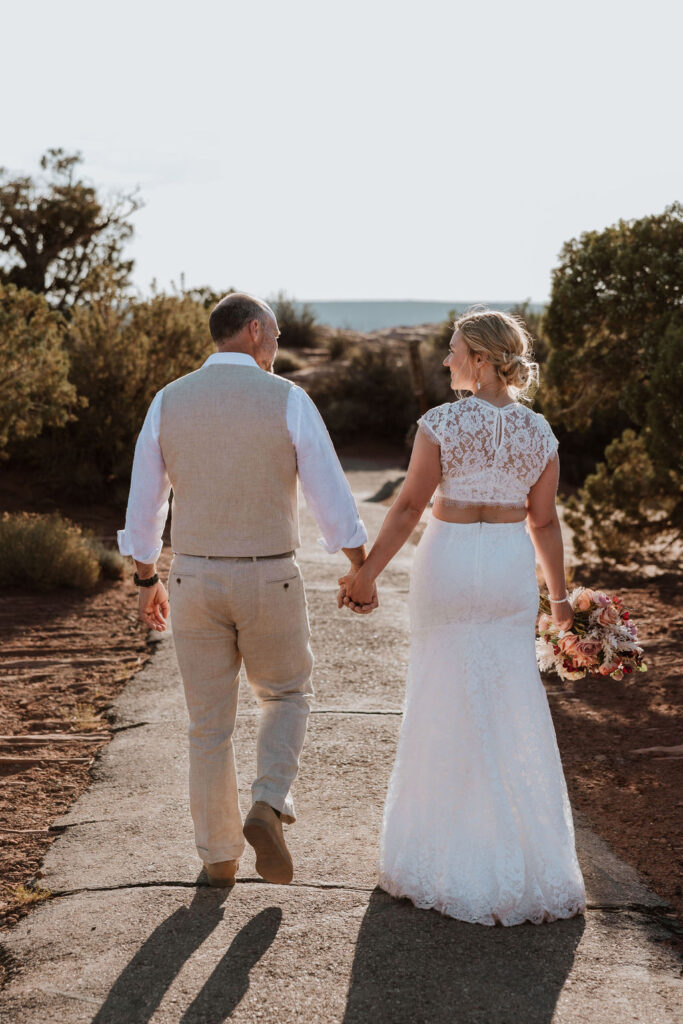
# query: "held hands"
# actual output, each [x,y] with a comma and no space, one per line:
[358,592]
[153,607]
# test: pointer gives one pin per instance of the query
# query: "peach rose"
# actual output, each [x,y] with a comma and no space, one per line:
[567,644]
[544,622]
[609,616]
[584,600]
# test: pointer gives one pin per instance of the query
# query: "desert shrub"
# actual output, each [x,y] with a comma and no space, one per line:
[297,322]
[34,387]
[337,347]
[111,563]
[122,351]
[41,552]
[369,397]
[287,362]
[615,377]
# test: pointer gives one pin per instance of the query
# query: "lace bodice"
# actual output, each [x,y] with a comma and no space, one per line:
[489,455]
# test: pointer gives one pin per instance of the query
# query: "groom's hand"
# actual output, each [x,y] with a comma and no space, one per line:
[153,606]
[357,594]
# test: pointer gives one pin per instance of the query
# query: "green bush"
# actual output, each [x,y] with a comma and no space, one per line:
[337,347]
[615,378]
[621,506]
[42,552]
[287,362]
[112,564]
[34,388]
[122,351]
[297,322]
[370,397]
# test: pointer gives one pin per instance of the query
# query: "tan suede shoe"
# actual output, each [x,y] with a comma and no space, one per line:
[222,873]
[263,830]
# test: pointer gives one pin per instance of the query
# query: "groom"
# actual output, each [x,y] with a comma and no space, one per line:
[231,439]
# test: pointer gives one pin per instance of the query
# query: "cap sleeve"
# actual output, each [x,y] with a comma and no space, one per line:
[428,425]
[550,442]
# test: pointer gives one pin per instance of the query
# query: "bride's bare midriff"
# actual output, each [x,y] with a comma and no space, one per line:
[476,513]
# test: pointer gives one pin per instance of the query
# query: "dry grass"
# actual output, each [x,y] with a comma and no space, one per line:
[43,552]
[24,896]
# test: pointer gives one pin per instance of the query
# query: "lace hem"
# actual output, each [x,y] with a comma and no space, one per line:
[464,503]
[532,913]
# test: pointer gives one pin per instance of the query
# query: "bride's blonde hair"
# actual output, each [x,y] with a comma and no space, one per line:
[504,338]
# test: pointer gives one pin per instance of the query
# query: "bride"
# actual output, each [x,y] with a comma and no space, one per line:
[477,822]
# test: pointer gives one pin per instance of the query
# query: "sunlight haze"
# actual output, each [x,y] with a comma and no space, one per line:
[366,150]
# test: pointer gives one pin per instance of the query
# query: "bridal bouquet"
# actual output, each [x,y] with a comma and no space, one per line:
[603,639]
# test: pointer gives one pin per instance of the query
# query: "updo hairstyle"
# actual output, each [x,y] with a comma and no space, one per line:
[507,343]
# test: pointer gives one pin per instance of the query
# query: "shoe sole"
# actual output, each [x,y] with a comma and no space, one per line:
[272,862]
[220,883]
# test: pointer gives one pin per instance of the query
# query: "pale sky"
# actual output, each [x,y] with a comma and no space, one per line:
[376,149]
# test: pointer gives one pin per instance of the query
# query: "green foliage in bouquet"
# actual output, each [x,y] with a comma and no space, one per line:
[615,368]
[35,391]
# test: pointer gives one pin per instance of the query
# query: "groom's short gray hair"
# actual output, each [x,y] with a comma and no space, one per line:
[234,312]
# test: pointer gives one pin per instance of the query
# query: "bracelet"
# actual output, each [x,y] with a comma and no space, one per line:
[559,600]
[149,582]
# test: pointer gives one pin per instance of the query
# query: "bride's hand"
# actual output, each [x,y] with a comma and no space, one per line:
[358,593]
[562,615]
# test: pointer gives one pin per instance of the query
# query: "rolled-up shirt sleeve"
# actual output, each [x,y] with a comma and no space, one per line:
[149,490]
[322,479]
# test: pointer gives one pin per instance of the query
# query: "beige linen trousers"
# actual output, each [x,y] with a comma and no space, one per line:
[224,611]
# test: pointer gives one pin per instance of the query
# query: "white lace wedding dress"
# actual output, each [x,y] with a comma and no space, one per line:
[477,822]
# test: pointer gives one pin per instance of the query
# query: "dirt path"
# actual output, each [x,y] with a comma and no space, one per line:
[64,658]
[634,800]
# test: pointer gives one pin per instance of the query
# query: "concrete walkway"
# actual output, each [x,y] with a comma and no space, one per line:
[133,936]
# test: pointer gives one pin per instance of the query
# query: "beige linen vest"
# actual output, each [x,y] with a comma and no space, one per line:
[231,462]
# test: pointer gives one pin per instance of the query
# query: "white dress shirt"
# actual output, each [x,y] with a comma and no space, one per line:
[323,483]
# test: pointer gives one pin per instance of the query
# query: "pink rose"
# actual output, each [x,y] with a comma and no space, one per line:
[584,600]
[609,616]
[591,647]
[600,598]
[586,653]
[545,622]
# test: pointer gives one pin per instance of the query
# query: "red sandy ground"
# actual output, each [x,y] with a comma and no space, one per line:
[64,657]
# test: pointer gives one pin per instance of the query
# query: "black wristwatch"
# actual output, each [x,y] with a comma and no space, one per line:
[145,583]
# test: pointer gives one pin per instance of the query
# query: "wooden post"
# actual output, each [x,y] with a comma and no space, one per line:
[417,375]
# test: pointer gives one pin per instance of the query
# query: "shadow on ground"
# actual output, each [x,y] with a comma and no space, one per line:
[414,966]
[139,989]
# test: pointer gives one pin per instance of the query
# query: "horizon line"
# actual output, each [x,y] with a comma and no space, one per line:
[440,302]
